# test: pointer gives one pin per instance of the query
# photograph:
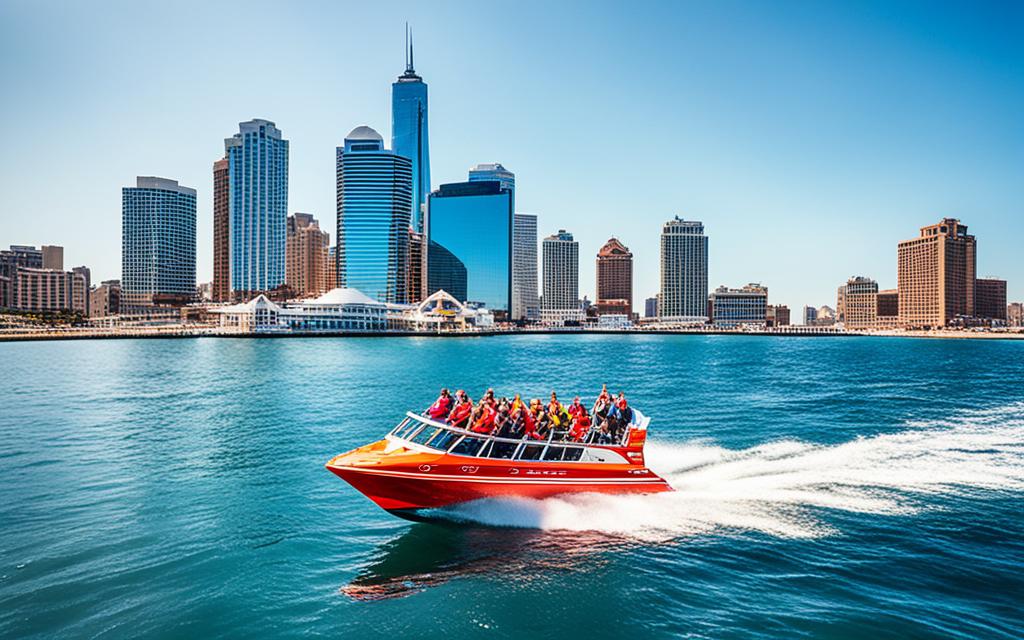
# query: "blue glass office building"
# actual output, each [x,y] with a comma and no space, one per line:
[158,242]
[374,204]
[472,221]
[409,132]
[257,206]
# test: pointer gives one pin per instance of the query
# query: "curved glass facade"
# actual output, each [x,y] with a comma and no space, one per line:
[445,271]
[473,221]
[374,201]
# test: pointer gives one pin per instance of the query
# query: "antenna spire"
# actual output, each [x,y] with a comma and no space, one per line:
[410,66]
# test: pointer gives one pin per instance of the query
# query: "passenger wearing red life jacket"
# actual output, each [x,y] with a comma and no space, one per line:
[530,420]
[459,417]
[485,422]
[441,407]
[580,427]
[576,408]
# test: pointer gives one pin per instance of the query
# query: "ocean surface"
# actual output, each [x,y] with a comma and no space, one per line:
[826,488]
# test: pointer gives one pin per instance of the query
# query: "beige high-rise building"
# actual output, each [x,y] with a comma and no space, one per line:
[935,275]
[857,303]
[53,257]
[307,259]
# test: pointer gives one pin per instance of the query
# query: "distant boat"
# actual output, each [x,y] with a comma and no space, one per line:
[423,464]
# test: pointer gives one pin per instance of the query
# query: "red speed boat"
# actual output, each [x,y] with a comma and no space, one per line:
[422,464]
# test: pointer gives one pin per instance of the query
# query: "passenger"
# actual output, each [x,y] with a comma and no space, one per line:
[489,398]
[580,425]
[462,411]
[602,404]
[554,406]
[503,420]
[576,408]
[441,407]
[531,420]
[559,418]
[517,404]
[486,416]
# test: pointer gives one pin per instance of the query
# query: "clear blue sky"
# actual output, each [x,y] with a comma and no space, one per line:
[808,136]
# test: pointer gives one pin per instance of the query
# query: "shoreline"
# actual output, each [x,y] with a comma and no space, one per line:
[186,334]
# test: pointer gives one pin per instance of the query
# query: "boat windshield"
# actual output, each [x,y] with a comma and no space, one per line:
[422,432]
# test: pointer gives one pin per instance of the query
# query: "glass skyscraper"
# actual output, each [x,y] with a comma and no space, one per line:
[258,206]
[374,204]
[409,132]
[493,171]
[473,222]
[158,242]
[525,305]
[684,270]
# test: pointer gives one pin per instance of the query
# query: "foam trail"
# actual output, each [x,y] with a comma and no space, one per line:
[779,488]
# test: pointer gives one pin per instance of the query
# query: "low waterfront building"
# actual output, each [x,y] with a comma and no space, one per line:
[735,307]
[337,310]
[777,315]
[441,312]
[613,321]
[42,290]
[105,300]
[990,298]
[1015,314]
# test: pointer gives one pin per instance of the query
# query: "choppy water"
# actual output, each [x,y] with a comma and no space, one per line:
[827,487]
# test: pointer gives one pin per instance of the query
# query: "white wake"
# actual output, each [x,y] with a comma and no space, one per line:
[784,488]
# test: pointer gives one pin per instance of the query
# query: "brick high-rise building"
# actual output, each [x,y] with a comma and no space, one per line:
[221,232]
[614,278]
[307,256]
[990,298]
[936,273]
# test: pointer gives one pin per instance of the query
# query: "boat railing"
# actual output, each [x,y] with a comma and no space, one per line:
[421,431]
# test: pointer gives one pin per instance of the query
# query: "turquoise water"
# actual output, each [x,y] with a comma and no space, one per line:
[827,487]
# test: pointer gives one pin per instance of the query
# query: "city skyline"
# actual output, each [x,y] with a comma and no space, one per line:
[769,213]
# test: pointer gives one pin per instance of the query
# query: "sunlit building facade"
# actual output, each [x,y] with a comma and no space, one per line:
[158,243]
[258,207]
[734,307]
[684,270]
[936,274]
[560,302]
[374,204]
[473,222]
[307,256]
[221,290]
[409,137]
[614,279]
[525,304]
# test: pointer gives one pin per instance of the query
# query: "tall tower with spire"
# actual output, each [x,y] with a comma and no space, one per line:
[409,130]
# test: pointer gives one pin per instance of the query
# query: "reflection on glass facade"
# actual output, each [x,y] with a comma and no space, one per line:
[258,205]
[158,240]
[374,195]
[409,131]
[446,272]
[473,222]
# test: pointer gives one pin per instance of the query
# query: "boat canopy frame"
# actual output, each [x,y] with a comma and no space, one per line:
[417,431]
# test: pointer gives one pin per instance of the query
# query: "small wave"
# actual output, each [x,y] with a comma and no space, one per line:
[780,488]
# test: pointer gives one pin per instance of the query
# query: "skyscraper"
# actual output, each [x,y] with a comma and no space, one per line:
[684,270]
[409,131]
[493,171]
[374,196]
[473,221]
[935,275]
[525,305]
[158,243]
[306,252]
[614,278]
[417,283]
[258,207]
[561,292]
[221,236]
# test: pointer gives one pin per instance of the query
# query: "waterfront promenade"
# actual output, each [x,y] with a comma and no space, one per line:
[216,331]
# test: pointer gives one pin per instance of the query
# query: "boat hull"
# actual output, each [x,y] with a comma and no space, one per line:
[428,485]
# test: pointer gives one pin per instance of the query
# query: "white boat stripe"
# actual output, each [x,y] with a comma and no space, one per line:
[651,479]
